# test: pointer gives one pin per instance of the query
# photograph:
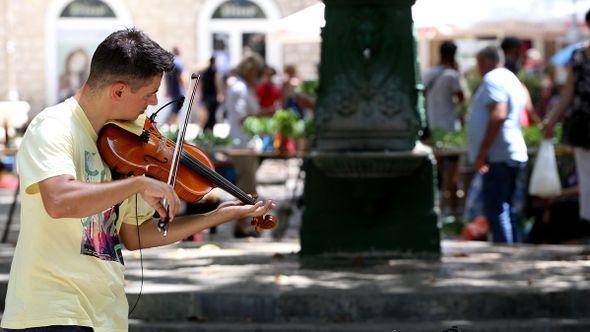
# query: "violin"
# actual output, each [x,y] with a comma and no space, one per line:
[133,151]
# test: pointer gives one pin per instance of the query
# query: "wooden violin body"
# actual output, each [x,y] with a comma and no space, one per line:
[151,154]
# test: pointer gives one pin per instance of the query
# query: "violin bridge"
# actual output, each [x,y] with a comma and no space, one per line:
[162,144]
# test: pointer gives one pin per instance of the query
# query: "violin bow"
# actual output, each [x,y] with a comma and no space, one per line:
[164,220]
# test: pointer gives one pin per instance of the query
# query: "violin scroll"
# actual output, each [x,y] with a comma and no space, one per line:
[263,222]
[266,222]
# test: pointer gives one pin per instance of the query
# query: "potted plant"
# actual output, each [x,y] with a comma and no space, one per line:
[284,123]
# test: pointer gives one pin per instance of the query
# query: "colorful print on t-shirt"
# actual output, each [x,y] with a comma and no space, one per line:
[100,237]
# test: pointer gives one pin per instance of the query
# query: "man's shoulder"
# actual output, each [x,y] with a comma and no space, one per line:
[500,76]
[450,72]
[441,74]
[63,110]
[432,71]
[578,55]
[52,118]
[238,86]
[581,48]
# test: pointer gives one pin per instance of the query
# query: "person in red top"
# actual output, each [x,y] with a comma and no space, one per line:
[268,94]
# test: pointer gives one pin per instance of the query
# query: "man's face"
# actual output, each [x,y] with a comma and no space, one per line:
[135,102]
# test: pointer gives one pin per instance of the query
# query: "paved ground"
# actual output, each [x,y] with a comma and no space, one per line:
[222,284]
[262,285]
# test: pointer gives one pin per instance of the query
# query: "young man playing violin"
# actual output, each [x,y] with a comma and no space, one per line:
[67,271]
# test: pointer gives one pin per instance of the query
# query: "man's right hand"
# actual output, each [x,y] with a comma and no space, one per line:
[154,191]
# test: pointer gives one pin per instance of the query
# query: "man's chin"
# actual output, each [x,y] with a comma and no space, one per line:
[128,118]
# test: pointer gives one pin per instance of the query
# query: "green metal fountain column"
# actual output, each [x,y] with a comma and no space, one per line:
[369,186]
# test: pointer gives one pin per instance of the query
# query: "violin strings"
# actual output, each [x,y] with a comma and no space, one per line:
[210,174]
[216,178]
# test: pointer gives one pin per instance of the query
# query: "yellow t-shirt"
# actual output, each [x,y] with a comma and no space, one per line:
[67,271]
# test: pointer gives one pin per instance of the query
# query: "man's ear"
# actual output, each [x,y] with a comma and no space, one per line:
[117,90]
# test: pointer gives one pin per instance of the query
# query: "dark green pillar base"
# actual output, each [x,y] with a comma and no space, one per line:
[379,204]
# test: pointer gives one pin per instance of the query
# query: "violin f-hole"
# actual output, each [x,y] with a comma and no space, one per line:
[162,161]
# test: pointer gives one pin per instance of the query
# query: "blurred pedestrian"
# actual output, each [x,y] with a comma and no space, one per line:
[512,48]
[240,102]
[269,95]
[211,92]
[548,92]
[534,62]
[291,83]
[496,145]
[444,93]
[576,94]
[513,54]
[75,73]
[443,90]
[175,87]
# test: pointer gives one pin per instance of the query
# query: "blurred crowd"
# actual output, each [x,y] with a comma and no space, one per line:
[511,88]
[251,89]
[259,91]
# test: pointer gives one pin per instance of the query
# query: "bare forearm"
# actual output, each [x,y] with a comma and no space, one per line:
[79,199]
[181,228]
[491,133]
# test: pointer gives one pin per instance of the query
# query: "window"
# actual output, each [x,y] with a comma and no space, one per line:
[87,8]
[238,9]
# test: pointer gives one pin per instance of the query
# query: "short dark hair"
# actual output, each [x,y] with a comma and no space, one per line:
[492,53]
[509,43]
[130,56]
[447,51]
[588,18]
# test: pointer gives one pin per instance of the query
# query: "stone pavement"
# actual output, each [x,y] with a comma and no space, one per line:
[263,285]
[222,284]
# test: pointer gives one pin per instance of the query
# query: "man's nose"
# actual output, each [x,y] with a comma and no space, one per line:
[153,100]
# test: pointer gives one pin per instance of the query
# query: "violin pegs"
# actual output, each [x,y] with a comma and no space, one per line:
[266,222]
[270,221]
[256,221]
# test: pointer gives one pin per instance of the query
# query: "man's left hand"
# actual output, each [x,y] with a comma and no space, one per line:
[237,210]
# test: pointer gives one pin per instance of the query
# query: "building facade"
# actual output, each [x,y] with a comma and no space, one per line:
[46,45]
